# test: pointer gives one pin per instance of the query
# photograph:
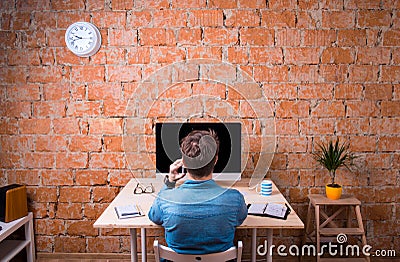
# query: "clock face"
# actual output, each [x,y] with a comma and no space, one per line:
[83,39]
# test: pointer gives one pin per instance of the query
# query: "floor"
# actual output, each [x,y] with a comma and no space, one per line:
[84,260]
[149,260]
[46,257]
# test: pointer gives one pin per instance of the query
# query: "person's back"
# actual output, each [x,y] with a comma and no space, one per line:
[199,216]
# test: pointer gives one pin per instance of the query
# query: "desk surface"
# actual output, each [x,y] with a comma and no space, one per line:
[109,219]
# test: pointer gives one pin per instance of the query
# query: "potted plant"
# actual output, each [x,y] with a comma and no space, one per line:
[332,156]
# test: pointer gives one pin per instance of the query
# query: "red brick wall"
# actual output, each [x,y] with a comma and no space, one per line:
[329,69]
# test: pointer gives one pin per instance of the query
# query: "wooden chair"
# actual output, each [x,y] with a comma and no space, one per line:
[161,251]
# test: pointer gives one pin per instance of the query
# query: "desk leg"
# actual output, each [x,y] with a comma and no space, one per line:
[254,245]
[269,244]
[308,224]
[144,248]
[133,245]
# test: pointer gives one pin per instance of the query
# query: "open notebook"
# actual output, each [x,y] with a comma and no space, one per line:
[129,211]
[275,210]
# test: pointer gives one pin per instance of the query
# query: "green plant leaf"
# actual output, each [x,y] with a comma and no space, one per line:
[332,156]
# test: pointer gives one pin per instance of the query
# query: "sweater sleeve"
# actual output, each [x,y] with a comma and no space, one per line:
[242,214]
[155,213]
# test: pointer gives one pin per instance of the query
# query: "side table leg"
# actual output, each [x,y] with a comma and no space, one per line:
[270,232]
[317,236]
[254,245]
[361,226]
[30,249]
[143,241]
[133,245]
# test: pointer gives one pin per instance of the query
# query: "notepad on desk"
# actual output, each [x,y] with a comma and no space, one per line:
[128,211]
[275,210]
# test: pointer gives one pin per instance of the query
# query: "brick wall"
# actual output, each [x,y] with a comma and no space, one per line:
[328,69]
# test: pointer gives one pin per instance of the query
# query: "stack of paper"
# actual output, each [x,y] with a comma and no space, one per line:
[128,211]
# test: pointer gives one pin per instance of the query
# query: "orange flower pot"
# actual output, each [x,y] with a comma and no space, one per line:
[333,192]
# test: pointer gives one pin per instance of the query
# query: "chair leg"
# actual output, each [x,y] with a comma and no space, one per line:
[156,251]
[239,251]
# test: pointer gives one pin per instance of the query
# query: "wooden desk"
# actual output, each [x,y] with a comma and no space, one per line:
[109,218]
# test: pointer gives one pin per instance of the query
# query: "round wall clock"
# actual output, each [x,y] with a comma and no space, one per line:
[83,39]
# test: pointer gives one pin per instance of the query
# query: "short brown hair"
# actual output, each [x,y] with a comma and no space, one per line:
[199,151]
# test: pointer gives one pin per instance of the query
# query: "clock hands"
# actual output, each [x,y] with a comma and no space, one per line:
[79,37]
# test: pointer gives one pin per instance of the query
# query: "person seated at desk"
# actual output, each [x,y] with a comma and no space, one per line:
[199,216]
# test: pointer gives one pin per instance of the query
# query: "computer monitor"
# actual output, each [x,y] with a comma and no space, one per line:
[169,135]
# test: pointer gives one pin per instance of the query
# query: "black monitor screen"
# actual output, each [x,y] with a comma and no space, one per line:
[169,135]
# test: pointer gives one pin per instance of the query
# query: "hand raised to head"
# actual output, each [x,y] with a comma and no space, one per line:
[174,175]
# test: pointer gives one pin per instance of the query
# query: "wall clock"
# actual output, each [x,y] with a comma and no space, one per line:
[83,39]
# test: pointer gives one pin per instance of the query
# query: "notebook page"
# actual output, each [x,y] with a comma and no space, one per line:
[256,209]
[128,210]
[277,210]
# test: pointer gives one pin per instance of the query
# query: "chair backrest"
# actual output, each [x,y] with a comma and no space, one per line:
[161,251]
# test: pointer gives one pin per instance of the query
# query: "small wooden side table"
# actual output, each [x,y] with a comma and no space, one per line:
[10,248]
[347,203]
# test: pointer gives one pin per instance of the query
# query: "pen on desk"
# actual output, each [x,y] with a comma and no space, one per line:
[138,209]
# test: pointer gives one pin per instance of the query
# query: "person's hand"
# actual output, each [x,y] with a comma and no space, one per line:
[174,175]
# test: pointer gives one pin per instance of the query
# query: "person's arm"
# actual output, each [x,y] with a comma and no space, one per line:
[168,184]
[155,213]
